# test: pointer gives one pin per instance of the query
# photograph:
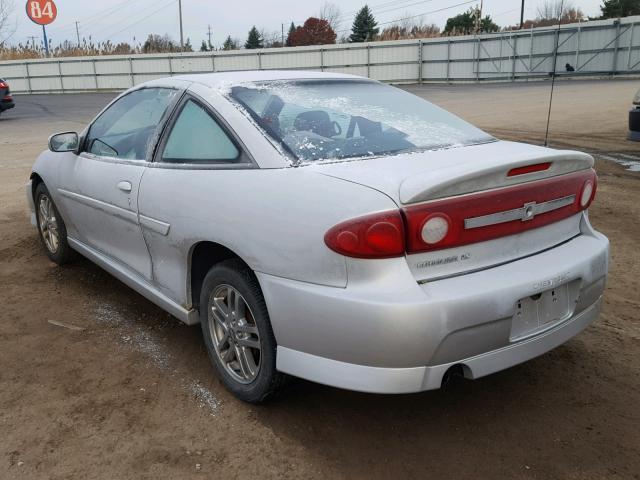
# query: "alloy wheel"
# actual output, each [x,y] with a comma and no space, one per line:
[48,224]
[234,332]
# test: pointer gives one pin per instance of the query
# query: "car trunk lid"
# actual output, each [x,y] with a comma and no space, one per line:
[493,187]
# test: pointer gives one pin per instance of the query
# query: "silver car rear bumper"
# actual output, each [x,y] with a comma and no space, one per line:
[385,333]
[416,379]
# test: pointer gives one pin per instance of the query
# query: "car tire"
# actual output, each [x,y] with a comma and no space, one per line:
[52,230]
[238,334]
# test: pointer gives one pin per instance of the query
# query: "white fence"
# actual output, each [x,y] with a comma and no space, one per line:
[605,47]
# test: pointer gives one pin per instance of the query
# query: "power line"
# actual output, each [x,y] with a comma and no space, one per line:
[381,5]
[420,14]
[144,18]
[101,32]
[374,9]
[112,9]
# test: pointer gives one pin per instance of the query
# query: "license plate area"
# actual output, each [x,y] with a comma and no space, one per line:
[541,311]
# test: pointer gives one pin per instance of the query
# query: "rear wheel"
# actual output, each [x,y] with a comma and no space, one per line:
[53,232]
[237,332]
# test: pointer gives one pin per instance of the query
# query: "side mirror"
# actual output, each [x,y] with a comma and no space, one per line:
[64,142]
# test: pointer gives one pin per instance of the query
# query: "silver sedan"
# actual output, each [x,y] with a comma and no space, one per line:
[328,227]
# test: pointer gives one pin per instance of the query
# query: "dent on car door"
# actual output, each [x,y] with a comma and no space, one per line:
[196,145]
[100,186]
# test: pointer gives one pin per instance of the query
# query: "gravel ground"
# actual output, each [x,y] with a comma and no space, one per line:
[96,382]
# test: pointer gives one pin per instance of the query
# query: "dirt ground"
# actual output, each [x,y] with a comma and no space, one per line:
[96,382]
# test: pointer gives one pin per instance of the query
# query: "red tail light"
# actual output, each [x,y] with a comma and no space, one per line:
[375,236]
[483,216]
[465,219]
[4,85]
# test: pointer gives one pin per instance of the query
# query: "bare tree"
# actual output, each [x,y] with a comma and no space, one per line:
[550,12]
[7,28]
[271,39]
[553,9]
[331,13]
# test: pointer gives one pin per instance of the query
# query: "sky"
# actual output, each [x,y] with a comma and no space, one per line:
[119,20]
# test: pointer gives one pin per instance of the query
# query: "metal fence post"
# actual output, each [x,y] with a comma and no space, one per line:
[420,61]
[630,46]
[555,52]
[530,51]
[577,62]
[259,54]
[131,71]
[95,73]
[368,61]
[322,59]
[478,59]
[28,77]
[60,75]
[448,57]
[614,65]
[500,51]
[213,62]
[170,65]
[515,54]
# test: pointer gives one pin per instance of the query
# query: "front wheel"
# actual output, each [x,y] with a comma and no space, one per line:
[237,332]
[53,231]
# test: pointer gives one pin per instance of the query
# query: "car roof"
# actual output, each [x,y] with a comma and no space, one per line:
[226,78]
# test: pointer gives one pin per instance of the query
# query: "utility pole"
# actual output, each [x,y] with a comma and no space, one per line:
[479,19]
[282,34]
[78,33]
[209,35]
[33,41]
[522,15]
[181,37]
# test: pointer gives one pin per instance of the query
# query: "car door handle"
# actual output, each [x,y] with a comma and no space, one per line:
[125,186]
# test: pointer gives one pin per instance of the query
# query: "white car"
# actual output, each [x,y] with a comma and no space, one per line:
[328,227]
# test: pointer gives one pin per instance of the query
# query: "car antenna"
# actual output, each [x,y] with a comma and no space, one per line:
[553,73]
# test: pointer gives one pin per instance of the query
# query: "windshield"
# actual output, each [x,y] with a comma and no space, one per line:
[338,119]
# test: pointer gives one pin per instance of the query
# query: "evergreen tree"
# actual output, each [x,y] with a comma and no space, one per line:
[229,44]
[467,23]
[203,47]
[187,46]
[365,27]
[254,40]
[292,29]
[619,8]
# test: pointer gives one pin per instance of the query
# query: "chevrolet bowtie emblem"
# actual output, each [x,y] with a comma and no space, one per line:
[528,211]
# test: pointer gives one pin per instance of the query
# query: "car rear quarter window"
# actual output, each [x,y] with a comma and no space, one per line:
[196,137]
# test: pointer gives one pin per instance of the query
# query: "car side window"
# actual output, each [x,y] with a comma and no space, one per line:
[126,128]
[196,137]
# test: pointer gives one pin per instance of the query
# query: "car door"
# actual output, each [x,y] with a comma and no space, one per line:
[99,187]
[194,163]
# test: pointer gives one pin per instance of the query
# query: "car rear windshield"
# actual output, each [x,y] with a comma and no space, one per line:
[341,119]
